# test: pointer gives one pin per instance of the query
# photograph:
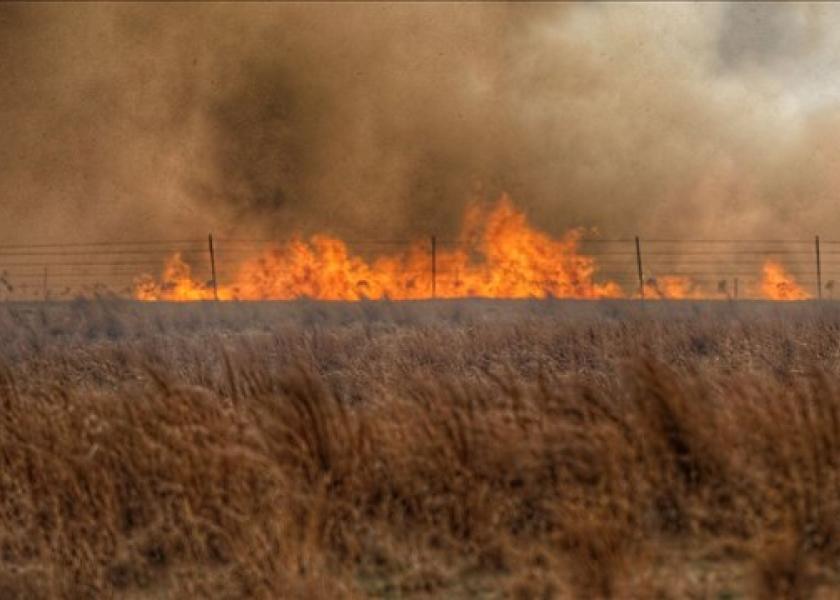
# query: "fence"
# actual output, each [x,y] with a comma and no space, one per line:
[717,264]
[731,266]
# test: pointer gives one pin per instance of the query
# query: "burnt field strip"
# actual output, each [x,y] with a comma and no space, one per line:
[476,448]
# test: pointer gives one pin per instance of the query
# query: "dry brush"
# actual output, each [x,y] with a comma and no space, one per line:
[458,449]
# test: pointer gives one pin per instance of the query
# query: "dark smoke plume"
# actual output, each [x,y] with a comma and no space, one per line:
[382,120]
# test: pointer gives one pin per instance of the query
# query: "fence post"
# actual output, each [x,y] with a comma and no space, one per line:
[434,266]
[639,265]
[45,283]
[735,290]
[213,267]
[819,268]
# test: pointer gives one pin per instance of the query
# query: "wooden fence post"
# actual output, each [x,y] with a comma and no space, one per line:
[639,265]
[434,266]
[213,267]
[819,268]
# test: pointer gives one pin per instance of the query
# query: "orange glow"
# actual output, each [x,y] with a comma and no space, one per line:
[496,255]
[778,284]
[177,284]
[673,287]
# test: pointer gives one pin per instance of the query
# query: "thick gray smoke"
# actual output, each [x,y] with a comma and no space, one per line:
[382,120]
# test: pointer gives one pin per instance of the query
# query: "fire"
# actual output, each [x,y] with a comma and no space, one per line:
[673,287]
[178,284]
[497,255]
[777,284]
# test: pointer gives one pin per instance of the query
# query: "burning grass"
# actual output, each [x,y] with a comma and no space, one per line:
[498,254]
[452,449]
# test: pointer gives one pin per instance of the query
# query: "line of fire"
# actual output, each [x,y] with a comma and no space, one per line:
[497,254]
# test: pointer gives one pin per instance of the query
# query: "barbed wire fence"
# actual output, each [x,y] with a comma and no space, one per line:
[721,267]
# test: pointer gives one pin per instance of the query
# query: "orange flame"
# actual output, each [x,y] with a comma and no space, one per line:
[497,255]
[777,284]
[178,284]
[673,287]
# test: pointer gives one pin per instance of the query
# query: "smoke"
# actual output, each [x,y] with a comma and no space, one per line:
[383,120]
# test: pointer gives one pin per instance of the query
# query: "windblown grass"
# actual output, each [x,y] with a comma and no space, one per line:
[453,449]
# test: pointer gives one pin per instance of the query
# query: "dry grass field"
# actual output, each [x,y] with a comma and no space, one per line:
[458,449]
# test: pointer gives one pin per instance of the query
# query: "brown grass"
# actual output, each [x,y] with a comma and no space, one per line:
[454,449]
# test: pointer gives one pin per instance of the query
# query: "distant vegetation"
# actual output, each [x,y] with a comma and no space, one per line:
[532,449]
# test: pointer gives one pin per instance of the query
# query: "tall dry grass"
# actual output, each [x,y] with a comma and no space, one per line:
[454,449]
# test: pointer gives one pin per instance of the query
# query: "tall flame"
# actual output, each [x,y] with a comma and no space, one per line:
[496,255]
[778,284]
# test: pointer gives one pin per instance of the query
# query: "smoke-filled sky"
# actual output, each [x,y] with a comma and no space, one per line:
[379,120]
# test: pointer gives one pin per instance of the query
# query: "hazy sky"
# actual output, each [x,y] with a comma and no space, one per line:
[378,120]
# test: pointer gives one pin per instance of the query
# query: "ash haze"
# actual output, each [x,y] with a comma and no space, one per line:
[375,120]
